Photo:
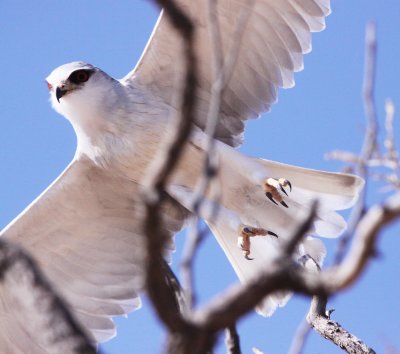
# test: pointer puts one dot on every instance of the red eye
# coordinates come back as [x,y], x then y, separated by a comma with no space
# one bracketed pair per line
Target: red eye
[49,86]
[80,76]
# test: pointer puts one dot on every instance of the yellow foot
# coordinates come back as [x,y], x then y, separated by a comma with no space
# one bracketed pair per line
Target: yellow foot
[245,232]
[273,189]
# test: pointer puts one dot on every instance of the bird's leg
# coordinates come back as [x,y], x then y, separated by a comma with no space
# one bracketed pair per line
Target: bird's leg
[273,189]
[245,233]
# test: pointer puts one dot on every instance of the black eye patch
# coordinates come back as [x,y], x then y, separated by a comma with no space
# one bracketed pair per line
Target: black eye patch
[80,76]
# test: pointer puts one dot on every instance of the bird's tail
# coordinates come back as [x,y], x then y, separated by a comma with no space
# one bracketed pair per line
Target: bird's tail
[243,203]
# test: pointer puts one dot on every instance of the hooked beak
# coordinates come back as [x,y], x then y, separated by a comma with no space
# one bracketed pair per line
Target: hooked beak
[59,93]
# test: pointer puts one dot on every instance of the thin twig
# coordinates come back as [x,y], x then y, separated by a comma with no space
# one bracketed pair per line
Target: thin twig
[291,244]
[353,159]
[228,307]
[210,162]
[300,337]
[281,273]
[194,240]
[222,69]
[232,340]
[389,141]
[257,350]
[393,155]
[390,160]
[162,167]
[370,139]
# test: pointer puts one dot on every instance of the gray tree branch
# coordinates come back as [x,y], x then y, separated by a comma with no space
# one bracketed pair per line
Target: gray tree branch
[196,333]
[370,144]
[182,334]
[232,340]
[284,274]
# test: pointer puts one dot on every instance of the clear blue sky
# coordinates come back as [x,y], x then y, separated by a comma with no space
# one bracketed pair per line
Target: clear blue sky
[323,112]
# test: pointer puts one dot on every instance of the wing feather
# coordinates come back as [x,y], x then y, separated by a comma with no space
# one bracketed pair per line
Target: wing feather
[85,231]
[277,35]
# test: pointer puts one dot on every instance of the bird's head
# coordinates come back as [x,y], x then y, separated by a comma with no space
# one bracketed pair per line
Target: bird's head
[86,96]
[80,91]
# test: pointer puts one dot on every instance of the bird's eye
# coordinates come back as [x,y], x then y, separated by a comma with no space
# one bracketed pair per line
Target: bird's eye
[80,76]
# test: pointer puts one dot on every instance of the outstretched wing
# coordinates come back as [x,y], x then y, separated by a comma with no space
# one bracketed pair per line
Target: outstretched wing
[272,44]
[85,231]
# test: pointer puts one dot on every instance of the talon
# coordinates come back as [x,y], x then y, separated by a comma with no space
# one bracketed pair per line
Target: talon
[272,234]
[285,183]
[275,188]
[248,231]
[283,190]
[284,204]
[244,242]
[245,234]
[269,195]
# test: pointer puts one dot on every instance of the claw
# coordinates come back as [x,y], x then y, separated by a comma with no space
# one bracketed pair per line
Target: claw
[283,190]
[284,204]
[269,195]
[244,239]
[244,243]
[284,182]
[272,234]
[247,257]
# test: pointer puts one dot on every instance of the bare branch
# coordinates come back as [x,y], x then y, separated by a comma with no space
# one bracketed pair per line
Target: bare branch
[389,160]
[195,238]
[181,304]
[284,274]
[370,144]
[257,351]
[161,169]
[392,153]
[319,319]
[299,339]
[198,332]
[222,68]
[363,245]
[353,159]
[289,247]
[389,141]
[277,275]
[232,340]
[337,334]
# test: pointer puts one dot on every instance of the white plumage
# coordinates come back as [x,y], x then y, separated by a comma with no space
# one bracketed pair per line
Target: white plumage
[85,230]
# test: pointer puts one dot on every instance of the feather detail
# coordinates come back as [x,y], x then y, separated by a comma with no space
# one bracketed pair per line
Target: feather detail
[243,202]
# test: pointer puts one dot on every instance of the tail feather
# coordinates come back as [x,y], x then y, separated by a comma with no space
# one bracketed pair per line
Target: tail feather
[243,202]
[263,249]
[336,191]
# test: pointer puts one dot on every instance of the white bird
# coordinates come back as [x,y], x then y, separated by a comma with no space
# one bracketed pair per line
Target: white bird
[85,229]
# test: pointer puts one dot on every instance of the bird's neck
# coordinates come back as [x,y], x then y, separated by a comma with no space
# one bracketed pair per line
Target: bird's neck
[99,138]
